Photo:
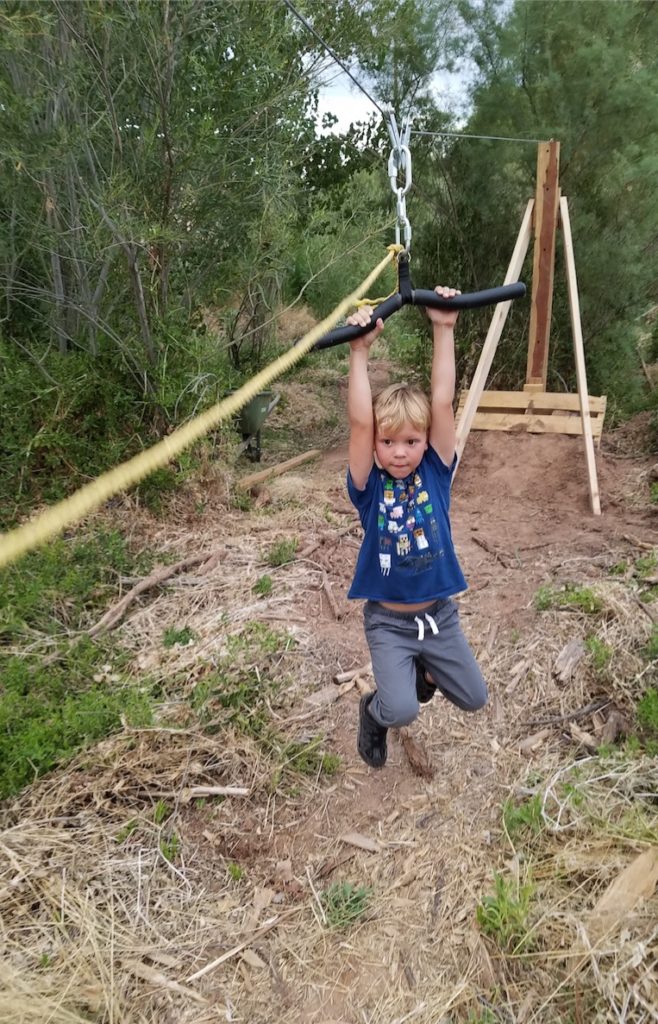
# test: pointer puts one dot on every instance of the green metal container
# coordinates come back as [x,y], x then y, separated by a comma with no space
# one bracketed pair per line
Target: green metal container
[255,412]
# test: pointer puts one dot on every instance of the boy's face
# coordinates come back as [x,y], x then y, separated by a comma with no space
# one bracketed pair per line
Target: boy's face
[399,452]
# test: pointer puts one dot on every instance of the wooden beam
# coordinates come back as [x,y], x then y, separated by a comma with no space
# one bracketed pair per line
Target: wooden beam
[546,215]
[545,401]
[494,332]
[579,352]
[529,423]
[264,474]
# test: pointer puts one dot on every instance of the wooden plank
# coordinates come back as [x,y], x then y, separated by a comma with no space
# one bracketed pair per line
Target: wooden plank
[516,423]
[546,216]
[546,401]
[494,332]
[256,478]
[579,352]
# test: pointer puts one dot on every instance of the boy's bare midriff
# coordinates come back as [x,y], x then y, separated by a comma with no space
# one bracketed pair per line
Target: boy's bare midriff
[392,606]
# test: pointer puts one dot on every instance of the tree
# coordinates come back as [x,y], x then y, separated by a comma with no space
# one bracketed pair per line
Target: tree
[584,73]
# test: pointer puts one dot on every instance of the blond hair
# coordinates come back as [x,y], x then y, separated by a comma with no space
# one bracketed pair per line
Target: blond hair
[399,404]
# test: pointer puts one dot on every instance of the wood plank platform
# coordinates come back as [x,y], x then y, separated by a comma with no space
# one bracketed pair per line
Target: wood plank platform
[535,412]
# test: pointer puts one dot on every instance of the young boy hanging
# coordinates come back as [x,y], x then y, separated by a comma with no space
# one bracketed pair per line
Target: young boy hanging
[401,462]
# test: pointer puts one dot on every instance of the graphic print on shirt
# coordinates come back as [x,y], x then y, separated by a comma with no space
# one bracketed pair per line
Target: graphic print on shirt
[408,529]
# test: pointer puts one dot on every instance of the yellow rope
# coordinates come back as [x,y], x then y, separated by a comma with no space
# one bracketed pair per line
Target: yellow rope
[89,497]
[394,249]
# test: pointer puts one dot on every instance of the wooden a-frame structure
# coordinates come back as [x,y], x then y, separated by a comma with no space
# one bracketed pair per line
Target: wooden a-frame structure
[534,410]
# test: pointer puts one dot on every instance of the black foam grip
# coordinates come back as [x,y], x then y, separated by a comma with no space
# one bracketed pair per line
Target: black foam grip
[422,297]
[349,333]
[470,300]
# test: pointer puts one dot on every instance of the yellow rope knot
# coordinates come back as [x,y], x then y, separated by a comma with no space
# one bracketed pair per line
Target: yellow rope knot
[395,249]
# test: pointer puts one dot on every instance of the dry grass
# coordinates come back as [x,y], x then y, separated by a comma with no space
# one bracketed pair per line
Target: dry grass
[99,924]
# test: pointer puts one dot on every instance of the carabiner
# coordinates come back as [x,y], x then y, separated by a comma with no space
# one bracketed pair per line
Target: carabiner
[400,161]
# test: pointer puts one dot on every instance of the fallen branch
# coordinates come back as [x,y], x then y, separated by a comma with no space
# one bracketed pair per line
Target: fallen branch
[347,677]
[326,586]
[256,478]
[505,560]
[263,930]
[113,615]
[200,792]
[589,709]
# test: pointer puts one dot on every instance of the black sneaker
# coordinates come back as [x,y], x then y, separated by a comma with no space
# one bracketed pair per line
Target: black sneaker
[424,690]
[371,742]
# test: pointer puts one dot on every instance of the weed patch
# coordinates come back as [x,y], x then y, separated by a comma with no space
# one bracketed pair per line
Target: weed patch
[282,553]
[344,903]
[503,915]
[522,820]
[569,596]
[173,636]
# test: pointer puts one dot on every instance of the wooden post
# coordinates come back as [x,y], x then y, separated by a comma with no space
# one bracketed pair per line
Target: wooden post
[579,352]
[546,214]
[494,333]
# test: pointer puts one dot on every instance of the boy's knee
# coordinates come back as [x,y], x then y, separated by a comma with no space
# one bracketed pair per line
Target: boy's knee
[394,713]
[478,698]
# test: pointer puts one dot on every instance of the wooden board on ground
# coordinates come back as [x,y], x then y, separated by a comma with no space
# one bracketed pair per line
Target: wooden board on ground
[534,412]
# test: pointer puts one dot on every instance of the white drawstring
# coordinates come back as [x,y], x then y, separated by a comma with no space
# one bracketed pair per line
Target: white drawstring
[421,626]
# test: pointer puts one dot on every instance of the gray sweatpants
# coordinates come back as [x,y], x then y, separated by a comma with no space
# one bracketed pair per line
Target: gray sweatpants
[434,637]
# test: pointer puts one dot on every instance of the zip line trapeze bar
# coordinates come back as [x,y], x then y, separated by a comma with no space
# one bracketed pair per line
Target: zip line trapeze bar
[407,295]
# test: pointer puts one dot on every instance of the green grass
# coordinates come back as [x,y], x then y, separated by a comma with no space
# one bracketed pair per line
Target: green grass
[503,915]
[523,819]
[282,553]
[236,873]
[50,712]
[570,596]
[647,711]
[173,636]
[600,653]
[263,586]
[63,584]
[61,691]
[344,903]
[651,648]
[170,847]
[646,565]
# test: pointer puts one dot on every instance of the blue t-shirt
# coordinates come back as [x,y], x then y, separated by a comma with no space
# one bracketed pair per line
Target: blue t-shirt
[407,554]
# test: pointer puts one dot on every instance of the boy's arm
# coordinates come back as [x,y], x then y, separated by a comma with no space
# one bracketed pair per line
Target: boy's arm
[359,402]
[442,435]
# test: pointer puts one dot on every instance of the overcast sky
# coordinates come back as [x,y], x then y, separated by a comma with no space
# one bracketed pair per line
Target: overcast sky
[349,104]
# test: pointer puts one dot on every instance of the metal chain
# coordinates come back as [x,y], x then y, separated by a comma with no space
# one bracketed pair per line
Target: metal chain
[399,162]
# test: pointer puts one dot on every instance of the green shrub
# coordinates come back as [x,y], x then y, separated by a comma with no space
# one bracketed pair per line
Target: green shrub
[65,691]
